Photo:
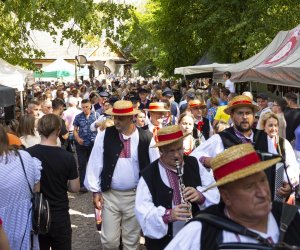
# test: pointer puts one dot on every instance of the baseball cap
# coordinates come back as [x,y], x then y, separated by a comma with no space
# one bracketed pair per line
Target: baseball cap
[263,96]
[168,93]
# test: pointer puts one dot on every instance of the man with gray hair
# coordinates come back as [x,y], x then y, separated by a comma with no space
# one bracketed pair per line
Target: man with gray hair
[69,116]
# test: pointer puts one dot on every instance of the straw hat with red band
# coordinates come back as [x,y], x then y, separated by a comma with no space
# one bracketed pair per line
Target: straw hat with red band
[236,163]
[241,101]
[196,104]
[157,107]
[122,108]
[169,134]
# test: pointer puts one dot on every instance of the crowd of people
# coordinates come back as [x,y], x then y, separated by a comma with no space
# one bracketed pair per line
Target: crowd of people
[154,155]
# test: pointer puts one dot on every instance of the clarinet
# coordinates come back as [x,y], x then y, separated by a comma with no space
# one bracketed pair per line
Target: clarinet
[181,189]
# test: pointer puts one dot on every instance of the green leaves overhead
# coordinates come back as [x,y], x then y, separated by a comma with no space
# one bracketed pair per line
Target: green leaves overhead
[77,19]
[174,33]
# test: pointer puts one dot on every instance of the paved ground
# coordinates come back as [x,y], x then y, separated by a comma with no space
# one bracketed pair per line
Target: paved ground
[85,235]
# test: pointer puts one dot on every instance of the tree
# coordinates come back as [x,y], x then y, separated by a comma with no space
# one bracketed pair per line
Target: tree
[75,18]
[179,33]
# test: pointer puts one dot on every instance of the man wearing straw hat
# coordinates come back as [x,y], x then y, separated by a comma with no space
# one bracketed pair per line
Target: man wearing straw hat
[161,203]
[241,110]
[245,200]
[119,153]
[157,112]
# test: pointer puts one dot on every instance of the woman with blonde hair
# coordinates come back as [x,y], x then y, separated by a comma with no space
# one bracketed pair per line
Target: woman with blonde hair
[281,146]
[186,123]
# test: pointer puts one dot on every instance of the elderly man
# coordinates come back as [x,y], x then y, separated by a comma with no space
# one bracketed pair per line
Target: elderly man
[163,203]
[119,153]
[158,112]
[246,201]
[241,110]
[46,107]
[69,116]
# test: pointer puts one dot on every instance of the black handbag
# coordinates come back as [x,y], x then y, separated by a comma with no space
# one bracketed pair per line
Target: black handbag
[41,218]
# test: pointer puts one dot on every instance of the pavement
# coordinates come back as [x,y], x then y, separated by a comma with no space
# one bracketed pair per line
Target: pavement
[85,235]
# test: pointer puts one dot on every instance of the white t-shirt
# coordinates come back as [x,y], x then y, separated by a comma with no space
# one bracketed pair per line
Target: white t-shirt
[230,85]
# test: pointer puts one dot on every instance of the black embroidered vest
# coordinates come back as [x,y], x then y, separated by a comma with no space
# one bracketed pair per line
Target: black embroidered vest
[112,149]
[162,195]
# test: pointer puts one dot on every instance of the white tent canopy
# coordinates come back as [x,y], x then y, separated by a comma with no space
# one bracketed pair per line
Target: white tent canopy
[12,76]
[198,69]
[59,65]
[278,63]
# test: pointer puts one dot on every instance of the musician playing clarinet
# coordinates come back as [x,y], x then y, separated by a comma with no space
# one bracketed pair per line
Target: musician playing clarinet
[170,190]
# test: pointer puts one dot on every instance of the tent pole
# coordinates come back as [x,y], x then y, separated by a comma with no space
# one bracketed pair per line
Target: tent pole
[21,103]
[251,86]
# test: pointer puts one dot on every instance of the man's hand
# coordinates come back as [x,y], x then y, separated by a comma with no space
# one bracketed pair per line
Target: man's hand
[79,140]
[104,124]
[207,161]
[98,200]
[192,195]
[285,190]
[180,212]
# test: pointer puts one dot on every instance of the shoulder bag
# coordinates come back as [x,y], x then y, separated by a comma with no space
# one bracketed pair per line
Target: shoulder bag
[41,218]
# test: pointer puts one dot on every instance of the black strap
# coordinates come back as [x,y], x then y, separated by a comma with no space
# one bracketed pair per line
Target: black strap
[31,233]
[24,172]
[231,226]
[287,215]
[230,136]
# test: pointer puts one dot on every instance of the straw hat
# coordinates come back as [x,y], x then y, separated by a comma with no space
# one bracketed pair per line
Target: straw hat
[196,103]
[122,108]
[241,101]
[157,107]
[236,163]
[168,135]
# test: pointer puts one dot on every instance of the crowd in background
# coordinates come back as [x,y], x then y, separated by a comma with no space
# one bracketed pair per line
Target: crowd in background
[79,112]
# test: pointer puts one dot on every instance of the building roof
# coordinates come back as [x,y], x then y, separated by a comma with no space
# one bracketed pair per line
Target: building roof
[106,50]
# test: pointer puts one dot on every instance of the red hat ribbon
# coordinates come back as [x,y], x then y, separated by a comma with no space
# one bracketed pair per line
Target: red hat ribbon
[172,136]
[155,107]
[122,111]
[241,102]
[236,165]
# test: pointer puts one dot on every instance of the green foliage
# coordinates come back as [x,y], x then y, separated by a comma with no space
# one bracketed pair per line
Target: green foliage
[84,17]
[174,33]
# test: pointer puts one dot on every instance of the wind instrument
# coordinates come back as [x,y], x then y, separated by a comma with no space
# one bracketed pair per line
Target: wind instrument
[181,189]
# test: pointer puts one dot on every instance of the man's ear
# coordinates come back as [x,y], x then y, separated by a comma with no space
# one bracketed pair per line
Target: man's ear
[225,196]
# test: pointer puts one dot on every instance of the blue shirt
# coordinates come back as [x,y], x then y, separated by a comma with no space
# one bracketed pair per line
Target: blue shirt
[297,138]
[84,123]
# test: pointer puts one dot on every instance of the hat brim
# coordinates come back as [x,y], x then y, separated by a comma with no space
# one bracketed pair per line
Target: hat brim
[110,112]
[253,106]
[157,110]
[159,144]
[199,106]
[251,169]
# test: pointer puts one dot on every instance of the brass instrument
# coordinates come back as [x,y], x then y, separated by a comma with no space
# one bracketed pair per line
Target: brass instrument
[181,189]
